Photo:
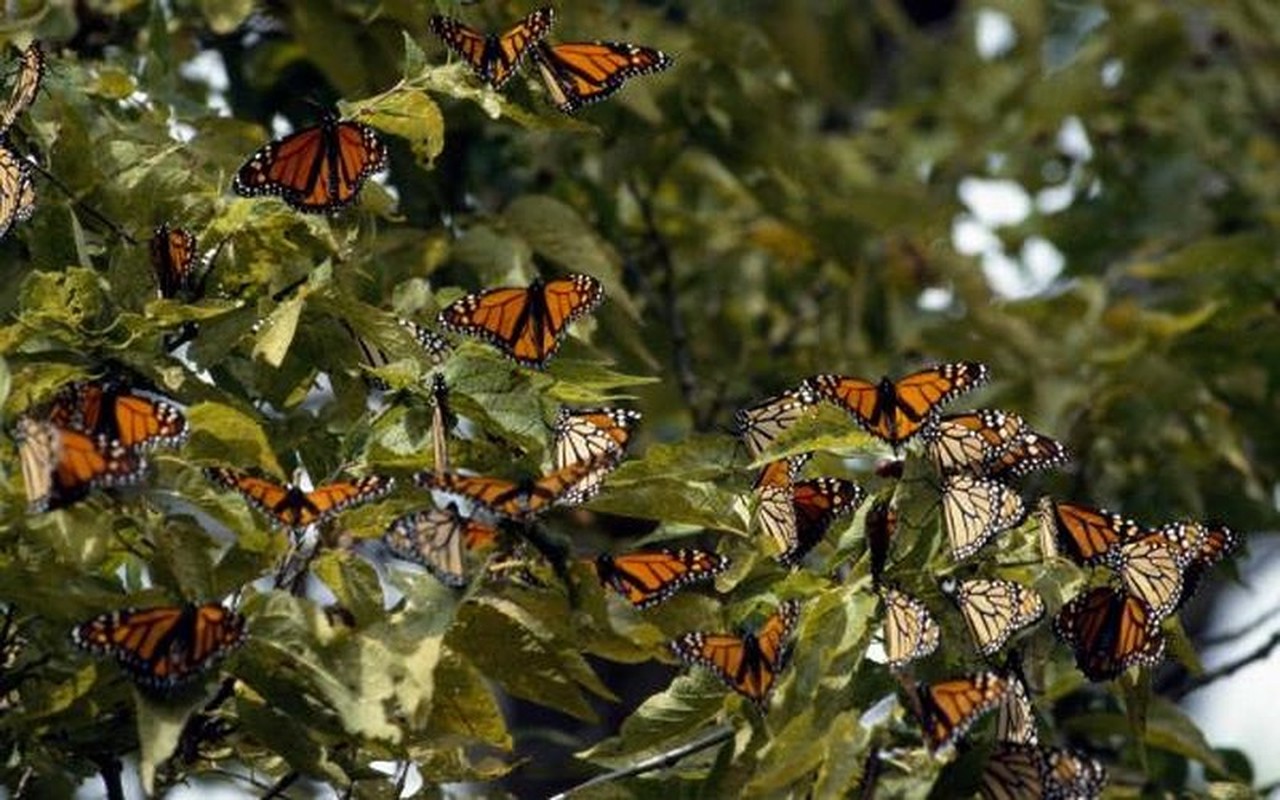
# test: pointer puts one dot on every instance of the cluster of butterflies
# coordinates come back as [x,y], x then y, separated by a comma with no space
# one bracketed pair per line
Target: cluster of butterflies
[575,74]
[17,187]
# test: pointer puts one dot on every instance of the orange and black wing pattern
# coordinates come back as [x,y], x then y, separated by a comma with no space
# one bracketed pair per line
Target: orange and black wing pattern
[526,324]
[439,539]
[174,261]
[1030,451]
[1200,547]
[164,646]
[1109,631]
[950,708]
[761,424]
[60,465]
[580,73]
[994,609]
[896,411]
[31,69]
[289,506]
[17,190]
[1089,536]
[818,502]
[748,664]
[647,578]
[317,170]
[494,58]
[585,434]
[971,440]
[109,408]
[910,631]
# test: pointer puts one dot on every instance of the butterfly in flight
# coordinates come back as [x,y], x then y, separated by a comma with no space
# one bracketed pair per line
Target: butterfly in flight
[1110,630]
[646,578]
[761,424]
[31,69]
[994,609]
[974,509]
[288,506]
[910,631]
[522,500]
[61,465]
[494,57]
[108,407]
[439,539]
[163,647]
[17,190]
[316,170]
[580,73]
[949,708]
[526,323]
[748,663]
[896,411]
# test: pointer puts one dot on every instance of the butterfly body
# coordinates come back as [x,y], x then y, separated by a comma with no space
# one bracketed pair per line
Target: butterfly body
[526,323]
[315,170]
[749,664]
[164,646]
[647,578]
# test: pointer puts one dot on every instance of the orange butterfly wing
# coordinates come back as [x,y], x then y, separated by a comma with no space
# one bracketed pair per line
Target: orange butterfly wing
[173,258]
[1088,535]
[316,170]
[951,707]
[493,58]
[747,664]
[289,506]
[895,412]
[85,462]
[648,578]
[580,73]
[1109,631]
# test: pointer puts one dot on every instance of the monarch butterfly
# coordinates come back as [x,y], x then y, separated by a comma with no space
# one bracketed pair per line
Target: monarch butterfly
[971,440]
[288,506]
[881,525]
[974,509]
[163,647]
[994,609]
[1088,535]
[774,508]
[648,578]
[749,664]
[1151,570]
[439,539]
[526,324]
[1029,451]
[317,170]
[1200,547]
[761,424]
[60,465]
[949,708]
[573,484]
[31,69]
[797,517]
[1109,631]
[436,347]
[175,262]
[584,434]
[17,190]
[1015,716]
[580,73]
[493,57]
[910,631]
[897,411]
[109,408]
[1020,771]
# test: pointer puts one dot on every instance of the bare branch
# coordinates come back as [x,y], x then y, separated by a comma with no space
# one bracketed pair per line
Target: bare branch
[1240,632]
[1230,668]
[660,761]
[278,790]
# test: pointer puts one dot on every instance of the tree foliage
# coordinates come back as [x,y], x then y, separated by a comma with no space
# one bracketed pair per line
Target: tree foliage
[781,202]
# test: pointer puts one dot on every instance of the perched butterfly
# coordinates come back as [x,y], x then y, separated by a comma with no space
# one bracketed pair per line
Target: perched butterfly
[760,425]
[1151,569]
[971,440]
[1029,452]
[994,609]
[494,57]
[580,73]
[585,434]
[570,485]
[881,525]
[17,190]
[175,262]
[31,70]
[526,324]
[289,506]
[164,646]
[749,664]
[1110,630]
[60,465]
[796,517]
[910,631]
[1013,772]
[950,708]
[974,509]
[317,170]
[110,408]
[436,347]
[1015,716]
[775,510]
[897,411]
[648,578]
[1087,535]
[439,539]
[1068,775]
[1199,547]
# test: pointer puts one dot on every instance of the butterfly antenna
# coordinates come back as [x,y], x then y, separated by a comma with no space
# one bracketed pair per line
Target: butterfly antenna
[80,204]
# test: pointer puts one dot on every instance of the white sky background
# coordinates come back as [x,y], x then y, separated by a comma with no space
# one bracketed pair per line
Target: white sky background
[1226,711]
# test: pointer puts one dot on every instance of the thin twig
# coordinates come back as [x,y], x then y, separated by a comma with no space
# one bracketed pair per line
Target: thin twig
[1241,632]
[711,739]
[1226,670]
[78,203]
[193,734]
[289,779]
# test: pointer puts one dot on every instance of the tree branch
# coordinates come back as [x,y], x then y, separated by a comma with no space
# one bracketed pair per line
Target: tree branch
[111,771]
[714,737]
[1228,669]
[1240,632]
[289,779]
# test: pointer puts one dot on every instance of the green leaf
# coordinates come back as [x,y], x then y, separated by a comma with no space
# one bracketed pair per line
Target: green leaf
[411,115]
[159,729]
[222,434]
[224,16]
[277,332]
